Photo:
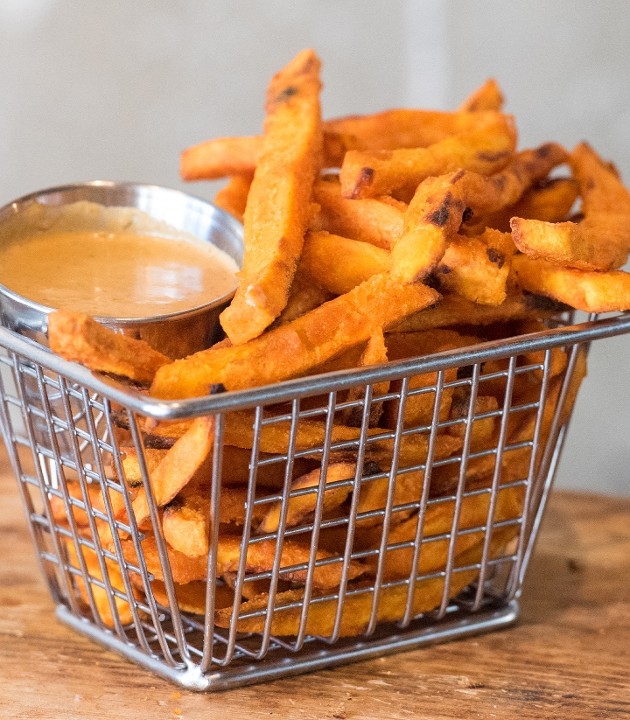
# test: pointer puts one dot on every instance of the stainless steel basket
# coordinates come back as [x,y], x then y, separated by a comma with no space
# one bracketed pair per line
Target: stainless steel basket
[61,426]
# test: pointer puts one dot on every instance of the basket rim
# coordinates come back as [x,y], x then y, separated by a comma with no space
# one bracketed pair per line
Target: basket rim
[584,332]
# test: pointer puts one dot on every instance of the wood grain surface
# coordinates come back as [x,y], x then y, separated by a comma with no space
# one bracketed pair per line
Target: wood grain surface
[569,656]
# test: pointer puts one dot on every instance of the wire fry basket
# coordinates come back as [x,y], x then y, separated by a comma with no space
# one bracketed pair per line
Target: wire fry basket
[423,534]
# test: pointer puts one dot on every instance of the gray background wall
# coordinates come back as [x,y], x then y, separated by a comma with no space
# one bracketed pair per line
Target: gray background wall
[116,89]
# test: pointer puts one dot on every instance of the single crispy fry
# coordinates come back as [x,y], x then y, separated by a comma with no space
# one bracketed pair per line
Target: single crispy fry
[295,555]
[477,267]
[419,406]
[601,240]
[486,97]
[302,506]
[378,221]
[452,309]
[438,520]
[110,607]
[79,338]
[293,349]
[591,291]
[191,597]
[184,569]
[486,150]
[278,206]
[220,157]
[305,295]
[178,466]
[550,200]
[186,523]
[233,196]
[482,432]
[361,261]
[375,353]
[439,205]
[404,128]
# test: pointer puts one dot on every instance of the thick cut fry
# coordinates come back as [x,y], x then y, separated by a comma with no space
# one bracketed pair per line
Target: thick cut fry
[179,465]
[109,607]
[375,353]
[477,267]
[437,209]
[357,608]
[360,261]
[482,432]
[295,555]
[233,197]
[438,520]
[305,295]
[484,150]
[590,291]
[184,569]
[293,349]
[79,338]
[419,406]
[486,97]
[601,240]
[404,128]
[279,202]
[377,221]
[300,507]
[220,157]
[186,523]
[452,309]
[550,200]
[191,597]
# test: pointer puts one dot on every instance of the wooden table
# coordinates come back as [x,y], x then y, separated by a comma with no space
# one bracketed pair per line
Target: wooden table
[568,657]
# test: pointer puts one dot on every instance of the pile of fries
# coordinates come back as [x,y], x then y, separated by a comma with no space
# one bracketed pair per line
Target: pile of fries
[368,239]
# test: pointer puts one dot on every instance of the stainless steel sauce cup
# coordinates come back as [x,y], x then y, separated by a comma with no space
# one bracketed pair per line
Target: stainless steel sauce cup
[176,334]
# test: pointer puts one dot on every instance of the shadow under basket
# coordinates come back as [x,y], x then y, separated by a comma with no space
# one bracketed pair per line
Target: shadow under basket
[335,518]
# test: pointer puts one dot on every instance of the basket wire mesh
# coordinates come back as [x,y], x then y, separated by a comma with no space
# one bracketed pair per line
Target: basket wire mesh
[69,435]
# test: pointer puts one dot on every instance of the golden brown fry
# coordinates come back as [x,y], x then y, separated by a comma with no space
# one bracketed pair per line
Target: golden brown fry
[452,309]
[359,261]
[437,209]
[601,240]
[220,157]
[477,267]
[179,465]
[482,432]
[302,506]
[279,202]
[191,597]
[590,291]
[375,353]
[378,221]
[261,554]
[486,97]
[109,607]
[484,150]
[305,295]
[293,349]
[404,128]
[233,196]
[186,523]
[79,338]
[550,200]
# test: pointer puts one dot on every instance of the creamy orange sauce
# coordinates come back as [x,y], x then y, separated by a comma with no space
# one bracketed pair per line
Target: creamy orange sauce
[118,274]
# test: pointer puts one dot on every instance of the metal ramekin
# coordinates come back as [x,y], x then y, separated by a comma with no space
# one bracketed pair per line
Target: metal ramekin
[176,334]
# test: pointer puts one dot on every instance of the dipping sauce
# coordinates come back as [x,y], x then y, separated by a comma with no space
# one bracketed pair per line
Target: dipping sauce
[119,273]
